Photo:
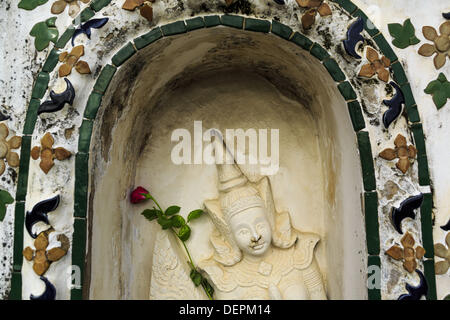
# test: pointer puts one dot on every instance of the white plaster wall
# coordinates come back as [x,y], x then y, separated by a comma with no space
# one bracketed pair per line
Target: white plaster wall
[19,64]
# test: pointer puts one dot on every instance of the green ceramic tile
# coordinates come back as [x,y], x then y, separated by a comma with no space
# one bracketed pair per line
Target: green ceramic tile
[79,244]
[424,175]
[365,154]
[333,68]
[385,47]
[374,293]
[123,55]
[104,78]
[41,85]
[16,287]
[281,30]
[173,28]
[211,21]
[427,224]
[19,218]
[84,140]
[372,226]
[430,275]
[319,52]
[84,16]
[30,119]
[98,5]
[419,138]
[22,181]
[195,23]
[93,103]
[302,41]
[409,98]
[76,294]
[81,184]
[399,73]
[347,5]
[65,37]
[257,25]
[368,25]
[347,91]
[52,61]
[413,114]
[232,21]
[356,116]
[148,38]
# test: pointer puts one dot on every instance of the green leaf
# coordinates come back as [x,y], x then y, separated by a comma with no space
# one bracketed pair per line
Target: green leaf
[194,214]
[207,287]
[184,233]
[178,221]
[172,210]
[44,32]
[164,222]
[31,4]
[440,90]
[404,35]
[196,277]
[151,214]
[5,198]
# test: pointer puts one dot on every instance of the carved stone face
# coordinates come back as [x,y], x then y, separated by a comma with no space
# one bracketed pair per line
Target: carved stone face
[251,230]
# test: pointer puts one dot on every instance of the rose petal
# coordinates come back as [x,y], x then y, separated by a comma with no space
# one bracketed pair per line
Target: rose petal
[427,50]
[386,61]
[28,253]
[3,149]
[147,12]
[412,152]
[35,153]
[2,166]
[46,164]
[77,51]
[447,240]
[64,70]
[410,266]
[429,33]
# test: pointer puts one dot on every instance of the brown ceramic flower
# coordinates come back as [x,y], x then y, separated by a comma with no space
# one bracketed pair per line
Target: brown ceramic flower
[5,148]
[74,7]
[48,154]
[377,66]
[403,152]
[443,252]
[71,60]
[145,8]
[440,46]
[41,257]
[408,254]
[314,7]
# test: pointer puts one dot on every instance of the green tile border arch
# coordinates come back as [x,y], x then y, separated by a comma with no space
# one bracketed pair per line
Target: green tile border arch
[370,196]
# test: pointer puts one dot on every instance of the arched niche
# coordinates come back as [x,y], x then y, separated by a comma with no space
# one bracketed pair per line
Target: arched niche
[227,78]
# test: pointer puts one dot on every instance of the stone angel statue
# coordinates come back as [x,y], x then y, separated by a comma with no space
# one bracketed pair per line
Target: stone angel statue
[257,252]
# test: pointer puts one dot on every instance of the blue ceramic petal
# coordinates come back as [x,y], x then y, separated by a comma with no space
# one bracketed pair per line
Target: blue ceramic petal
[406,210]
[353,37]
[395,106]
[39,214]
[415,293]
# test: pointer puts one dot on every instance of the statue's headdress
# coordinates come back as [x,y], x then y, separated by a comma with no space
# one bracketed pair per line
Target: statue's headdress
[237,194]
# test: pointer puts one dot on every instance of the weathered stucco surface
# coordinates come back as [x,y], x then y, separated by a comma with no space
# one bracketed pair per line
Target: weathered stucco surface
[19,64]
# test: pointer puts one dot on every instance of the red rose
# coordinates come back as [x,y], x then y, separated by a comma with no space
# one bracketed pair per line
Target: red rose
[138,195]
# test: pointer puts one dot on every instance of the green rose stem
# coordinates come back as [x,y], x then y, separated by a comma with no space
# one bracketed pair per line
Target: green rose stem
[148,196]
